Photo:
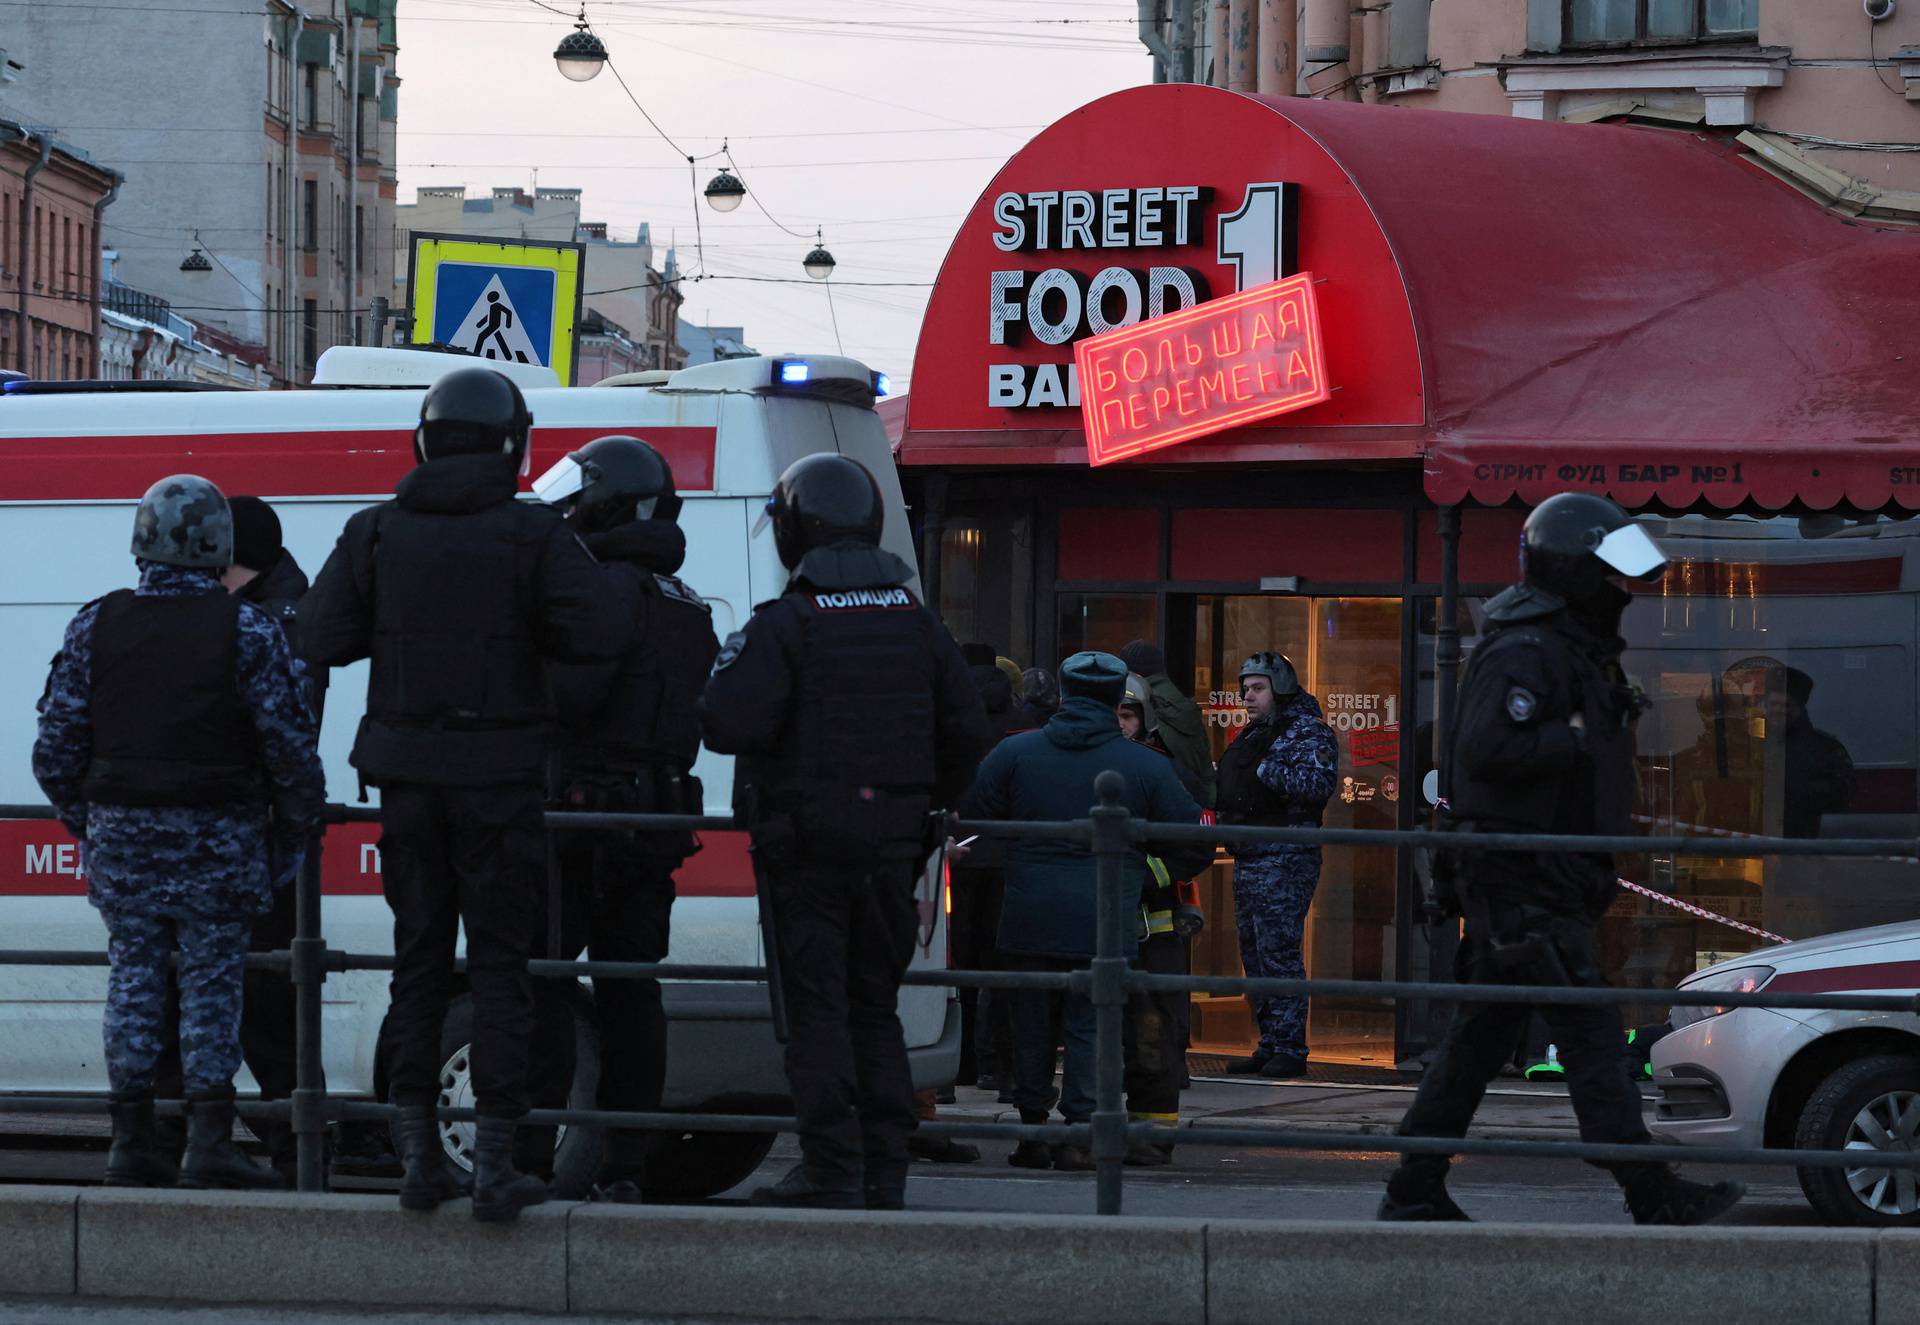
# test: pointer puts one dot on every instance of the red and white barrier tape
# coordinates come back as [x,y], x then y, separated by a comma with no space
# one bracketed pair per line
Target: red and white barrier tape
[1700,911]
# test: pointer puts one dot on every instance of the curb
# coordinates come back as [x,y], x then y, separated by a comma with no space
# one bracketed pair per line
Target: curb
[704,1262]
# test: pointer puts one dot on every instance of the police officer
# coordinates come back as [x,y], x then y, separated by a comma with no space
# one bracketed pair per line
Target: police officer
[1543,743]
[175,742]
[1278,772]
[852,712]
[630,733]
[460,595]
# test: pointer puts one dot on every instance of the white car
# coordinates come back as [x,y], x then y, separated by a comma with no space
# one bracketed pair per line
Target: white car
[1806,1079]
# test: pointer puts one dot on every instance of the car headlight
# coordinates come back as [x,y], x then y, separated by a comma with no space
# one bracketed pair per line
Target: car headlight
[1739,980]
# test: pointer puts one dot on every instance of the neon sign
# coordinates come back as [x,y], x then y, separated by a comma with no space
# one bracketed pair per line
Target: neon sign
[1204,369]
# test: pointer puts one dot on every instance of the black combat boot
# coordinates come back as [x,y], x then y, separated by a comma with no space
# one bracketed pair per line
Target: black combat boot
[500,1191]
[212,1160]
[1417,1194]
[1657,1195]
[886,1186]
[139,1156]
[426,1180]
[798,1189]
[533,1150]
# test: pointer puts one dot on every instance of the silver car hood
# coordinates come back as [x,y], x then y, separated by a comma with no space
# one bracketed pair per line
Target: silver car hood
[1815,952]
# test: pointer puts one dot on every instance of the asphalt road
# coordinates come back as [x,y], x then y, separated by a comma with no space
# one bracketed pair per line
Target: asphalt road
[1202,1182]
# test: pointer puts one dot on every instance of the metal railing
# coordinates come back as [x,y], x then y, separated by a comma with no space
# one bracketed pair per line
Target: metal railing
[1112,835]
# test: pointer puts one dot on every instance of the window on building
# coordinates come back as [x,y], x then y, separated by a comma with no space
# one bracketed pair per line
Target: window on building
[359,238]
[309,332]
[310,112]
[269,204]
[1626,22]
[39,272]
[310,214]
[69,278]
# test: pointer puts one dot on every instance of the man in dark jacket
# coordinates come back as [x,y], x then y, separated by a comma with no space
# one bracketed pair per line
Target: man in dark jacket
[630,734]
[1183,729]
[850,707]
[1047,921]
[977,886]
[1543,742]
[1039,700]
[461,595]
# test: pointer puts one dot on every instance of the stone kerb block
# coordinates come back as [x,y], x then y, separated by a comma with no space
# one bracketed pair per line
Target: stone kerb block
[36,1240]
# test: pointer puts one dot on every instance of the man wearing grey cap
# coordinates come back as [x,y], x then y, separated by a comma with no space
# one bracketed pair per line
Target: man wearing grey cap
[1047,920]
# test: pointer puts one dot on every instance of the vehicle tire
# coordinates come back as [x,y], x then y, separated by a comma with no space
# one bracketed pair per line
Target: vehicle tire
[576,1160]
[692,1166]
[1868,1104]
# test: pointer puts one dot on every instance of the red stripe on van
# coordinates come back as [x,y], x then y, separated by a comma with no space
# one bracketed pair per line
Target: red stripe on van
[38,858]
[346,462]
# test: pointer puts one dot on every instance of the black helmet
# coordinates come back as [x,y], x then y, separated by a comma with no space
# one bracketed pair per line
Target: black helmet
[1573,541]
[472,411]
[1277,668]
[824,499]
[609,482]
[184,520]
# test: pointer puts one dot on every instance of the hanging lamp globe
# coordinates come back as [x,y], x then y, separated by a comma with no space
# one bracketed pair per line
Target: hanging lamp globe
[196,261]
[580,54]
[724,191]
[819,263]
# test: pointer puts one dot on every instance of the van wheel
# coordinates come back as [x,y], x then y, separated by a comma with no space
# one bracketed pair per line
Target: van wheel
[576,1159]
[692,1166]
[1871,1105]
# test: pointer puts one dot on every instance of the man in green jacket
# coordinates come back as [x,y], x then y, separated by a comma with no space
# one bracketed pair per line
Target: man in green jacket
[1183,729]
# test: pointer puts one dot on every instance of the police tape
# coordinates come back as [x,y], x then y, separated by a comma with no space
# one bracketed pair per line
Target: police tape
[1700,911]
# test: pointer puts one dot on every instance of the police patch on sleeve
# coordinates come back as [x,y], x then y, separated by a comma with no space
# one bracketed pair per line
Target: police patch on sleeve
[1521,704]
[730,651]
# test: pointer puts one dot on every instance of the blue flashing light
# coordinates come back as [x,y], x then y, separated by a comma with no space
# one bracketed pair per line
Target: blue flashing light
[882,385]
[794,371]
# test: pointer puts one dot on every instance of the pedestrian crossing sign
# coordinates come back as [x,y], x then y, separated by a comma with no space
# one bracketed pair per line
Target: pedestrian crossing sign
[512,301]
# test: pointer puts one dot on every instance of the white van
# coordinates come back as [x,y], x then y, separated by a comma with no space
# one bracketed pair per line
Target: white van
[74,461]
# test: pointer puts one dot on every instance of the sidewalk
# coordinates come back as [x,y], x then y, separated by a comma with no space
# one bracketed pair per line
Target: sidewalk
[1514,1109]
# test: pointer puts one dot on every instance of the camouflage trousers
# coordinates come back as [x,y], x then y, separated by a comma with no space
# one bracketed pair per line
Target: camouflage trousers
[212,962]
[1271,896]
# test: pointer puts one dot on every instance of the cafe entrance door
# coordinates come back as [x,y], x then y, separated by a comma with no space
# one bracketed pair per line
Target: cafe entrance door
[1348,652]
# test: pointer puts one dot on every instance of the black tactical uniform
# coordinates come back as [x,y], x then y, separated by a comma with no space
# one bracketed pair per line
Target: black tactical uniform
[1544,743]
[630,734]
[460,595]
[854,717]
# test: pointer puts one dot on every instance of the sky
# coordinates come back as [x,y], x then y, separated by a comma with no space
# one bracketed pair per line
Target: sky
[879,121]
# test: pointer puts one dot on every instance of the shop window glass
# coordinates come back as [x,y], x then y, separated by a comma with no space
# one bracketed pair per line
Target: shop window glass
[960,580]
[1347,651]
[1103,621]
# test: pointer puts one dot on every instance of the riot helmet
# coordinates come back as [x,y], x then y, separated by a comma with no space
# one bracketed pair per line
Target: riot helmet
[472,411]
[1573,541]
[184,520]
[1139,697]
[824,499]
[1277,668]
[609,482]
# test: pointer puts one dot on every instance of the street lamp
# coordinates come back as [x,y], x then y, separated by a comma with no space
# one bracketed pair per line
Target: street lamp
[819,263]
[724,191]
[196,261]
[580,54]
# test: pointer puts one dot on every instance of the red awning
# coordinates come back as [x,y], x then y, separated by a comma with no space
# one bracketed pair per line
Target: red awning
[1638,311]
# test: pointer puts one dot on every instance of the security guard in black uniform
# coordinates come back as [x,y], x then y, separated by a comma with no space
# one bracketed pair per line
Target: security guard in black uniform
[460,595]
[853,713]
[1544,743]
[630,732]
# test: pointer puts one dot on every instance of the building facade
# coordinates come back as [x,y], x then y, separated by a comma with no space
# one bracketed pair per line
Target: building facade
[261,136]
[711,344]
[1834,94]
[1489,310]
[52,199]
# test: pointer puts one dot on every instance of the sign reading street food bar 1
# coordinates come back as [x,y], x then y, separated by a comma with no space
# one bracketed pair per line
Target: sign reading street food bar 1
[1204,369]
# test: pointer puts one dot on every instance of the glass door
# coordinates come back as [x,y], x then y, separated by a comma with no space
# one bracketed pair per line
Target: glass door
[1348,653]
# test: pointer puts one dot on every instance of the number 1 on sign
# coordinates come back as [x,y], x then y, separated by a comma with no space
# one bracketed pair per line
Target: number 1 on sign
[1258,240]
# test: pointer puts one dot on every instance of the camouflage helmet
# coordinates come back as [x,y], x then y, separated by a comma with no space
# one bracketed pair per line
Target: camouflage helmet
[184,520]
[1277,668]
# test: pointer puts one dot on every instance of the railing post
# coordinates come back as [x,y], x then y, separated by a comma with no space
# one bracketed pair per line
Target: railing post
[1109,991]
[307,968]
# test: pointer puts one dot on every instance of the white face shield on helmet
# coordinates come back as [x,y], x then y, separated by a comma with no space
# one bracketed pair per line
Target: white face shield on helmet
[561,482]
[1631,551]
